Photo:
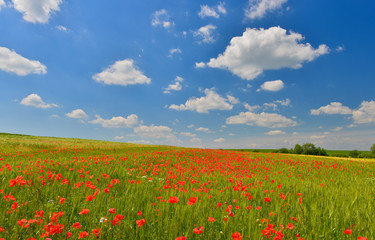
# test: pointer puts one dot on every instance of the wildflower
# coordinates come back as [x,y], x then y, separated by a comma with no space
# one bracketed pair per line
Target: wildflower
[89,198]
[96,232]
[139,213]
[62,200]
[83,234]
[267,199]
[22,222]
[77,225]
[111,210]
[348,231]
[103,219]
[181,238]
[211,219]
[192,200]
[173,200]
[362,238]
[198,230]
[141,222]
[84,211]
[290,226]
[236,236]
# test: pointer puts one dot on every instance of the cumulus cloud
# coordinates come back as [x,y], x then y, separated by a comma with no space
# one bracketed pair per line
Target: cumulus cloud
[78,114]
[2,4]
[275,132]
[261,49]
[219,140]
[10,61]
[365,113]
[161,18]
[272,86]
[61,28]
[251,108]
[153,131]
[203,129]
[207,11]
[188,134]
[258,8]
[122,72]
[117,122]
[212,101]
[270,120]
[35,100]
[176,86]
[332,108]
[205,34]
[174,51]
[37,11]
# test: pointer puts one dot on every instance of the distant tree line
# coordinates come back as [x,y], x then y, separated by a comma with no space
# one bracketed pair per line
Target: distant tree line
[310,149]
[306,149]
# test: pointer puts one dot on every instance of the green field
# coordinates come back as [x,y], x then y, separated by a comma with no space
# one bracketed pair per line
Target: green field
[84,189]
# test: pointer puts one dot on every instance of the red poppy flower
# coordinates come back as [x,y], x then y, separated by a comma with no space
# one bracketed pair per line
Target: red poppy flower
[211,219]
[236,236]
[111,210]
[198,230]
[362,238]
[267,199]
[173,200]
[348,231]
[77,225]
[192,200]
[96,232]
[141,222]
[84,211]
[181,238]
[83,234]
[62,200]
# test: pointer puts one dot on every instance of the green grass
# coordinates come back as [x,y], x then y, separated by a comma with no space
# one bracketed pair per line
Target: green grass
[325,195]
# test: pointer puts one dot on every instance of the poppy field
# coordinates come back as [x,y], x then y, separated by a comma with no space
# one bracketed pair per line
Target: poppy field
[76,189]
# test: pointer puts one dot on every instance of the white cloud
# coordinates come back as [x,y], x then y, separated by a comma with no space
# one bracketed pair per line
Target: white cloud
[232,134]
[365,113]
[10,61]
[258,8]
[2,4]
[78,114]
[212,101]
[332,108]
[339,49]
[261,49]
[117,122]
[233,100]
[188,134]
[275,132]
[270,120]
[190,126]
[37,11]
[174,51]
[122,72]
[154,132]
[251,108]
[161,18]
[196,141]
[285,102]
[203,129]
[62,28]
[200,65]
[141,142]
[219,140]
[272,86]
[317,137]
[207,11]
[337,129]
[221,8]
[35,100]
[205,34]
[119,137]
[176,86]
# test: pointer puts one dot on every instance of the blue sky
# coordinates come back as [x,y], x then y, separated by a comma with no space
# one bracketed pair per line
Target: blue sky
[212,74]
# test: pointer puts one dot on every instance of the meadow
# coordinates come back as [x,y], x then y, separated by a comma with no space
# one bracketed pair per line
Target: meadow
[54,188]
